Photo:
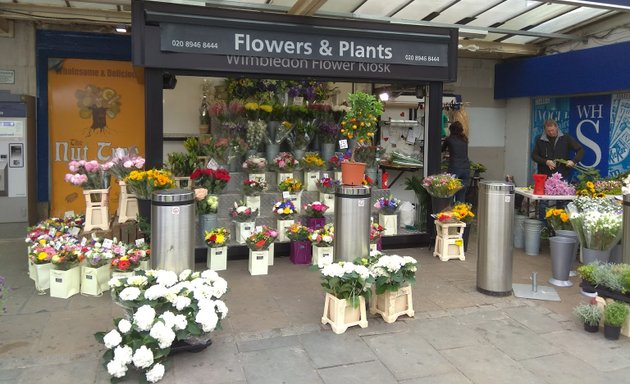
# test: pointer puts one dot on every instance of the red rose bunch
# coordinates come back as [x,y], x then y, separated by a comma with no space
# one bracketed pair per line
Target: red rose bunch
[214,180]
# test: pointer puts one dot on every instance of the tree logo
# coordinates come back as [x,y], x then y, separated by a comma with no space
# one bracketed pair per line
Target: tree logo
[99,104]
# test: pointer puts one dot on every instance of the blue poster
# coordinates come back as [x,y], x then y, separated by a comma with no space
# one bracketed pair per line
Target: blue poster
[544,108]
[590,125]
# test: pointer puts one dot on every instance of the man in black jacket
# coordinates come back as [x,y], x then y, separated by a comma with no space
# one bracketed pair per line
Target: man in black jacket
[553,145]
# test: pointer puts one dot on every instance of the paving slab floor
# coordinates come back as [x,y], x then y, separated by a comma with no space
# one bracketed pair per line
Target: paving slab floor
[273,332]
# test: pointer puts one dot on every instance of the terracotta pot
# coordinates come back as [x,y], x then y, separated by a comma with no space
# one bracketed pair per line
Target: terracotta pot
[352,173]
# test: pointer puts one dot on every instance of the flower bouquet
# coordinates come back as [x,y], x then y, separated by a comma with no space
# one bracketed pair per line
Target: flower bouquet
[376,232]
[255,133]
[301,251]
[142,251]
[608,187]
[328,132]
[284,162]
[68,256]
[206,203]
[297,232]
[97,255]
[284,210]
[558,218]
[312,162]
[442,185]
[387,206]
[143,183]
[290,185]
[87,174]
[255,165]
[597,221]
[261,240]
[345,280]
[162,309]
[242,213]
[554,185]
[463,212]
[323,237]
[217,237]
[338,158]
[126,263]
[393,272]
[122,164]
[315,209]
[214,180]
[254,187]
[327,185]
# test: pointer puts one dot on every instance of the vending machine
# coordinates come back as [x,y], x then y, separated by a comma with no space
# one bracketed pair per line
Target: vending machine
[18,181]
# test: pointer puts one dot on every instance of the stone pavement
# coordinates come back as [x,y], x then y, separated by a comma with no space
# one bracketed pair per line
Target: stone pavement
[273,333]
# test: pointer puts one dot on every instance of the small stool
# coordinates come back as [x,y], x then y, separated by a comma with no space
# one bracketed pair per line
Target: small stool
[96,209]
[127,204]
[449,243]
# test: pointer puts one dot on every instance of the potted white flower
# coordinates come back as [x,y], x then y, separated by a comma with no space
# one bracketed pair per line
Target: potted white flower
[393,276]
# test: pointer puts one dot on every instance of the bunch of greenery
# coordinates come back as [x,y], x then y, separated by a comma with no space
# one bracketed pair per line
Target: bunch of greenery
[615,313]
[589,314]
[181,164]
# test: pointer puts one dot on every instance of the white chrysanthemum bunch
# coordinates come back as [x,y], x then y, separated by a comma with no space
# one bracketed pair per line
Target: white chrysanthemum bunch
[393,271]
[346,280]
[162,307]
[598,221]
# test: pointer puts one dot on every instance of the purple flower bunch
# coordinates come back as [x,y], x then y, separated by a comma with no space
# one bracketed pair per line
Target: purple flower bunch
[328,131]
[387,206]
[339,157]
[555,186]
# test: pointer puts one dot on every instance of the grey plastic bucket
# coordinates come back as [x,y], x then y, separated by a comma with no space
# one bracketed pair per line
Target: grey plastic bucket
[576,247]
[519,231]
[532,236]
[562,254]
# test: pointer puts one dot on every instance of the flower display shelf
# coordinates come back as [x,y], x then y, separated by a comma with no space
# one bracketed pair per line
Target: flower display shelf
[329,200]
[322,256]
[127,204]
[391,305]
[449,243]
[65,284]
[96,209]
[340,314]
[217,258]
[390,223]
[253,202]
[94,281]
[310,180]
[258,262]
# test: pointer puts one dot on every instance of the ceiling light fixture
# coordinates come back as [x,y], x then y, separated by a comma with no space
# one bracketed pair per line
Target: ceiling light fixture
[384,96]
[121,29]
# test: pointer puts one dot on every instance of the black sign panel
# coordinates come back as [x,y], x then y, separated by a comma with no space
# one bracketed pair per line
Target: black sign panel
[320,49]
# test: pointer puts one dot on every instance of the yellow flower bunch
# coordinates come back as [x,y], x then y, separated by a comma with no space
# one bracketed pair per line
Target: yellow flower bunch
[217,237]
[588,190]
[558,218]
[312,161]
[143,183]
[464,212]
[290,185]
[297,232]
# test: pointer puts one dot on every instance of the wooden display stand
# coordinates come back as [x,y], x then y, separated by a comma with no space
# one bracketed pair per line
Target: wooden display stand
[449,243]
[96,212]
[390,305]
[127,204]
[340,314]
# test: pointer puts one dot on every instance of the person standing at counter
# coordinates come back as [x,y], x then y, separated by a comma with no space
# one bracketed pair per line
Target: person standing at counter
[458,163]
[554,145]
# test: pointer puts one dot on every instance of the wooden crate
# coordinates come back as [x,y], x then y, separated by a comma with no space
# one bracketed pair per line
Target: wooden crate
[126,232]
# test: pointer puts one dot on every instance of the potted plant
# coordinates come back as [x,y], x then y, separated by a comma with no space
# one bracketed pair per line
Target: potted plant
[314,213]
[291,189]
[95,271]
[181,165]
[154,327]
[442,187]
[589,315]
[392,278]
[312,164]
[207,207]
[284,164]
[326,187]
[376,232]
[346,286]
[217,240]
[252,189]
[387,217]
[143,183]
[259,244]
[615,314]
[322,241]
[244,220]
[284,211]
[359,125]
[300,244]
[466,215]
[65,277]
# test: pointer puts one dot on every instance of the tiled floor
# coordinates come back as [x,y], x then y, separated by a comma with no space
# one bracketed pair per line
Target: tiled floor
[273,332]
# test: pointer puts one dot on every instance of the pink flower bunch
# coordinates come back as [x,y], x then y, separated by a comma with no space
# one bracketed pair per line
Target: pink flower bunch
[255,165]
[315,209]
[121,166]
[555,186]
[76,179]
[284,162]
[86,174]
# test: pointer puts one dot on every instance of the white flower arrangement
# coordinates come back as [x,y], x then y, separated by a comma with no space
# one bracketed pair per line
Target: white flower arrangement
[346,280]
[162,308]
[625,189]
[393,271]
[597,221]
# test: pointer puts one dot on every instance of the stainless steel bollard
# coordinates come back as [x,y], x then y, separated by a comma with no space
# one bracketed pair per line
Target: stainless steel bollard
[352,222]
[173,230]
[494,243]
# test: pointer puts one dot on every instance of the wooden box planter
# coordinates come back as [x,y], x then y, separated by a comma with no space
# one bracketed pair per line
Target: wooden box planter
[391,305]
[96,209]
[127,204]
[340,314]
[449,243]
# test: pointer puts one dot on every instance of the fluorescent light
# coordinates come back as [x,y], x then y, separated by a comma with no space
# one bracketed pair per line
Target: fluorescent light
[121,29]
[384,96]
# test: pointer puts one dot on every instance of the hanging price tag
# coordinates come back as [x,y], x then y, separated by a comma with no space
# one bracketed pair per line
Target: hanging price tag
[286,195]
[343,144]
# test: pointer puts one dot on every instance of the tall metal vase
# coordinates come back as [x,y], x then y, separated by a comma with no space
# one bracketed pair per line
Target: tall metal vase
[327,150]
[207,222]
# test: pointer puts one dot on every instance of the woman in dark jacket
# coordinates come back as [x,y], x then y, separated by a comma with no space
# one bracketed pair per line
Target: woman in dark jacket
[458,163]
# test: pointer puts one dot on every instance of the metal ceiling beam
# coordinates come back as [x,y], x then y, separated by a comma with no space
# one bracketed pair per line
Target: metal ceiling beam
[593,4]
[306,7]
[59,14]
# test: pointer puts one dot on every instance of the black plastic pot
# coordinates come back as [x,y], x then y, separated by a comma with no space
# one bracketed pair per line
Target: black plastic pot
[591,328]
[611,332]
